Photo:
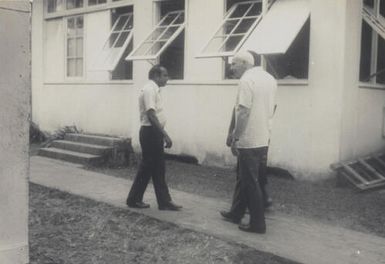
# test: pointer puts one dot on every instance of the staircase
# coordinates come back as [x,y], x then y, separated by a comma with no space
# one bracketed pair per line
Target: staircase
[90,150]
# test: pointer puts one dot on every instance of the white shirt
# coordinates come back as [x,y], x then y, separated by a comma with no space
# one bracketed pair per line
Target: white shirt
[150,98]
[256,91]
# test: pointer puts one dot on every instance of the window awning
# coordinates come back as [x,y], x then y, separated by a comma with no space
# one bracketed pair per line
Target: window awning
[167,30]
[279,27]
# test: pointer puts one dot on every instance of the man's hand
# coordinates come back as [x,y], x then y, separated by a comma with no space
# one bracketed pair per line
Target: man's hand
[167,142]
[229,139]
[234,148]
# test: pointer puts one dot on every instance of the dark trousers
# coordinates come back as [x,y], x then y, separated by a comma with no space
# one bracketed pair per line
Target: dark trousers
[250,185]
[152,166]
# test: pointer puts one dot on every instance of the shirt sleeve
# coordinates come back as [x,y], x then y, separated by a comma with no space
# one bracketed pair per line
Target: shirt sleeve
[149,99]
[245,94]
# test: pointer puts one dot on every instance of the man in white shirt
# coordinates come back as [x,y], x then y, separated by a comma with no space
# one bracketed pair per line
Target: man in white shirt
[248,138]
[153,138]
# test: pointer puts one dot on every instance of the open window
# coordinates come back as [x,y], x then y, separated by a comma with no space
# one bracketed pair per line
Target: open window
[165,43]
[117,45]
[281,35]
[372,61]
[238,23]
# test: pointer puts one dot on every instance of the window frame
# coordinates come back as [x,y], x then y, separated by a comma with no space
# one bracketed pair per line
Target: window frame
[372,79]
[66,58]
[110,4]
[168,41]
[107,50]
[226,18]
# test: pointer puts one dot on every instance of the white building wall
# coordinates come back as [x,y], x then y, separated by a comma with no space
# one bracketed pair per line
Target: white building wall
[14,127]
[363,116]
[316,122]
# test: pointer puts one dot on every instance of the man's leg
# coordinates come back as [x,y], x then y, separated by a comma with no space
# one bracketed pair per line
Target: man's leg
[158,172]
[249,170]
[239,202]
[145,168]
[262,178]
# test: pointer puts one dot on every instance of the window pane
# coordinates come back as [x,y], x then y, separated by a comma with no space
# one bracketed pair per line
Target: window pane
[169,32]
[71,47]
[113,38]
[79,67]
[129,24]
[51,6]
[369,3]
[214,44]
[79,47]
[79,26]
[173,58]
[92,2]
[240,10]
[227,27]
[232,43]
[156,48]
[156,33]
[71,27]
[366,51]
[119,25]
[382,8]
[74,4]
[381,61]
[122,38]
[71,67]
[168,19]
[179,20]
[142,50]
[255,10]
[244,26]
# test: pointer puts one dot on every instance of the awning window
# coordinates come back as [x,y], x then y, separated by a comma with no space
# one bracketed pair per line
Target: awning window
[116,43]
[237,25]
[279,27]
[167,30]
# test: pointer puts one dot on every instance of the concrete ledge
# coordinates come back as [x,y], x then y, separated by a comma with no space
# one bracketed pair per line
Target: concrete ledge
[14,254]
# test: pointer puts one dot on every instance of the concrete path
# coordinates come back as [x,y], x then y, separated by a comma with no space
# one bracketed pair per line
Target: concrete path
[297,239]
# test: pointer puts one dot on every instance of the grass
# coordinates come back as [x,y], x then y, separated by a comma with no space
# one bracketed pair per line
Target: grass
[69,229]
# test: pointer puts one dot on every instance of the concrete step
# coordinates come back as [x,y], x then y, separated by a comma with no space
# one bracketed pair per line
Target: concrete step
[92,139]
[82,147]
[71,156]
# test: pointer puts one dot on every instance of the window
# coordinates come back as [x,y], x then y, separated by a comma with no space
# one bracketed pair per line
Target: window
[372,61]
[75,46]
[96,2]
[235,28]
[74,4]
[166,41]
[118,45]
[54,5]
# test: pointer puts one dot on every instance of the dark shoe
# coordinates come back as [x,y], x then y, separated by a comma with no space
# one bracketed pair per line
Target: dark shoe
[139,205]
[249,228]
[268,202]
[170,206]
[229,217]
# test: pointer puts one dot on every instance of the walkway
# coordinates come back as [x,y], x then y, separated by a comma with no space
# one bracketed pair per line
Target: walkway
[298,239]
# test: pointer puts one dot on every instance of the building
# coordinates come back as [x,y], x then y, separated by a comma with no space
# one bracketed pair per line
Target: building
[90,57]
[15,88]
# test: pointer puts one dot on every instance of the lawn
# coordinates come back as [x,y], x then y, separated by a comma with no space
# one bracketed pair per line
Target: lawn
[65,228]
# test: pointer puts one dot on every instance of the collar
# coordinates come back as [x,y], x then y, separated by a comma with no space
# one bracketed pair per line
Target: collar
[153,84]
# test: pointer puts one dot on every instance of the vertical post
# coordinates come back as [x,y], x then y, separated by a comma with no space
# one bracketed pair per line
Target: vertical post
[14,128]
[265,4]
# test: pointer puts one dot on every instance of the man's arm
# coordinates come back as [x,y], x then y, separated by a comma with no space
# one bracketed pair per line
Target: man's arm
[241,116]
[229,139]
[155,123]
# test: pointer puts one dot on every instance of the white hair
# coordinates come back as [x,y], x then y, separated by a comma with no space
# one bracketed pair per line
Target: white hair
[244,56]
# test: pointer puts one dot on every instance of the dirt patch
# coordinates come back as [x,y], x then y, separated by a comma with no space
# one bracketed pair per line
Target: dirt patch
[69,229]
[322,201]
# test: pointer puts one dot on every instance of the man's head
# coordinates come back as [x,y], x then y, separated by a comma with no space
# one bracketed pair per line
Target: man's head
[242,61]
[159,75]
